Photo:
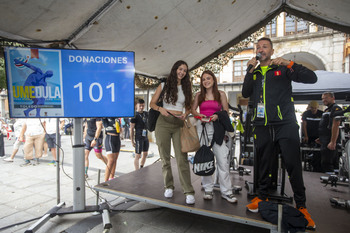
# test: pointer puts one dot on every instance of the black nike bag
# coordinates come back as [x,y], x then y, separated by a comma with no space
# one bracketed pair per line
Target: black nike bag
[204,162]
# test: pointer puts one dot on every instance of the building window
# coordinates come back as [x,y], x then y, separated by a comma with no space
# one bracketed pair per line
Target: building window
[320,28]
[293,26]
[218,78]
[239,68]
[302,27]
[270,30]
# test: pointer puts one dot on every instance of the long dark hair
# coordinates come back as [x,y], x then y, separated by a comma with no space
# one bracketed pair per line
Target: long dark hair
[216,92]
[170,88]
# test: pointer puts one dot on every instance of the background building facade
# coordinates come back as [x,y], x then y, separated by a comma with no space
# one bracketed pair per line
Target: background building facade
[314,46]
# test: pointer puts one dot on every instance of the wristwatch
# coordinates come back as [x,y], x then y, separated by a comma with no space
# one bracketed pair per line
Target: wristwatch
[95,139]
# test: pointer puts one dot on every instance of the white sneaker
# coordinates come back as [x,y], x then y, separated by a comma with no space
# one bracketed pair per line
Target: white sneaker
[208,196]
[230,198]
[45,155]
[8,159]
[168,193]
[190,199]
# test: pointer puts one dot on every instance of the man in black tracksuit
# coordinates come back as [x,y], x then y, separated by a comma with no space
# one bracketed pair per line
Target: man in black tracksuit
[329,133]
[270,90]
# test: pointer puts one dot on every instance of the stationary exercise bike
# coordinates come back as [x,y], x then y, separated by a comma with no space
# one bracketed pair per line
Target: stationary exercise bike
[235,142]
[341,176]
[277,170]
[339,202]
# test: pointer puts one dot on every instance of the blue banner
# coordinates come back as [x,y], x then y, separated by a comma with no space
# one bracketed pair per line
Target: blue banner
[69,83]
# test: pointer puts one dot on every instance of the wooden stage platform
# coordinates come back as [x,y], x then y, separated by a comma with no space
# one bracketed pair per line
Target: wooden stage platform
[146,185]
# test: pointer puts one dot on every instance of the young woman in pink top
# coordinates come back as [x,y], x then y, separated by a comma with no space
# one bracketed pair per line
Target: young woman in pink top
[210,101]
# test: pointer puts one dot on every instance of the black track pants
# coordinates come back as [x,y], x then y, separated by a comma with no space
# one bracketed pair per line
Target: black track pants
[287,138]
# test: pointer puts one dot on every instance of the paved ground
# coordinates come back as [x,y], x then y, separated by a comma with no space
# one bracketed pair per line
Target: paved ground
[29,192]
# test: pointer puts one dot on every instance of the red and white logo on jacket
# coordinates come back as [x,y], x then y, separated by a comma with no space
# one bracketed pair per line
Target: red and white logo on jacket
[277,73]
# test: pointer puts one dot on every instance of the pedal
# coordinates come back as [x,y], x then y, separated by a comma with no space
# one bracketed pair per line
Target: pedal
[340,202]
[334,201]
[247,171]
[332,179]
[243,171]
[324,179]
[237,189]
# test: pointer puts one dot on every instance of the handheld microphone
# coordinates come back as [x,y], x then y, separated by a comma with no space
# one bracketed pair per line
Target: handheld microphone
[258,56]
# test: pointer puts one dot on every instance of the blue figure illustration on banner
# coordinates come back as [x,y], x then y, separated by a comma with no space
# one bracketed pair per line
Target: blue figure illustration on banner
[36,78]
[39,80]
[36,82]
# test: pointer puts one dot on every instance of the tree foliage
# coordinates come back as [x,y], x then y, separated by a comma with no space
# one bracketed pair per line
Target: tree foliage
[215,65]
[2,74]
[4,43]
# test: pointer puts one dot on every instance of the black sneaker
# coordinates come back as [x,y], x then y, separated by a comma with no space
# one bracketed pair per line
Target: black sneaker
[26,163]
[36,162]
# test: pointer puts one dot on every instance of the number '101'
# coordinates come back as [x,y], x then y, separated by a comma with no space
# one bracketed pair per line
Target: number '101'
[95,90]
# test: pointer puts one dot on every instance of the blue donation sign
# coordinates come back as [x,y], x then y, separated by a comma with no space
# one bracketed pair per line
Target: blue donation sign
[69,83]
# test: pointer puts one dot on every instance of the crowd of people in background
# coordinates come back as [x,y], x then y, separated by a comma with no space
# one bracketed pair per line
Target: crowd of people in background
[38,135]
[320,129]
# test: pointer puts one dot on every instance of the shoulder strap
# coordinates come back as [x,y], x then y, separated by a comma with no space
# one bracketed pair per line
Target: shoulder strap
[205,136]
[162,93]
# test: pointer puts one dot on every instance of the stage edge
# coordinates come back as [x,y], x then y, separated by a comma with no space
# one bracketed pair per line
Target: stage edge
[231,218]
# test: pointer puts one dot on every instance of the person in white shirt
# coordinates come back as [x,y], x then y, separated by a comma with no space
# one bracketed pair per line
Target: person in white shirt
[177,101]
[34,134]
[50,136]
[17,126]
[2,143]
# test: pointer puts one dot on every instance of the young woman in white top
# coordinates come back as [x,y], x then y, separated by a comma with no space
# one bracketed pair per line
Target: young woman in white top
[177,98]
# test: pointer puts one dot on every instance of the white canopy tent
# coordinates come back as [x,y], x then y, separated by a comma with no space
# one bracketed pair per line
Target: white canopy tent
[158,31]
[338,83]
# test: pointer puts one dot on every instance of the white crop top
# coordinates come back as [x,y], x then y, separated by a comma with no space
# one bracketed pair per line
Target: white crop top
[179,105]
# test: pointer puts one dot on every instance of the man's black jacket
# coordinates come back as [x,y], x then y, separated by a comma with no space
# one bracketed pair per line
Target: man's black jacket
[274,91]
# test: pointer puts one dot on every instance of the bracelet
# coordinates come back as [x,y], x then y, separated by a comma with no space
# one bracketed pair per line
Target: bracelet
[158,108]
[290,64]
[95,139]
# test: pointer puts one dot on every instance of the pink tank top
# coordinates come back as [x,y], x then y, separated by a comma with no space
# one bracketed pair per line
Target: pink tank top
[209,107]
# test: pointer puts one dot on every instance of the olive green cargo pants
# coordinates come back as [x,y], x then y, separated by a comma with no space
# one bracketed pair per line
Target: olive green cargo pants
[169,129]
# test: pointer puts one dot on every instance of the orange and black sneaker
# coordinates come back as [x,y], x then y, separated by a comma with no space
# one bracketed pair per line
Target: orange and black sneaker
[311,224]
[254,205]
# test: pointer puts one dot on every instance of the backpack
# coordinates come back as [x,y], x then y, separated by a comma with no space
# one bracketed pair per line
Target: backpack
[204,162]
